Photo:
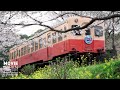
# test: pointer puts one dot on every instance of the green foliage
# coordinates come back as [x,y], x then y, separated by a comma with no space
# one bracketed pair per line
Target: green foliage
[38,31]
[61,69]
[1,76]
[4,56]
[65,69]
[28,69]
[24,36]
[1,63]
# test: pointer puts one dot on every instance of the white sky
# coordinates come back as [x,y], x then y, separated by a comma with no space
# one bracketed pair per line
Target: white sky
[29,30]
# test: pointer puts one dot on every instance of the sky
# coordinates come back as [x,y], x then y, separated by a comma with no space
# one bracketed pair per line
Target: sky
[29,30]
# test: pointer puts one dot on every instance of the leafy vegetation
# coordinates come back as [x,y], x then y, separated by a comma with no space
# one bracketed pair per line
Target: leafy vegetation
[71,70]
[28,69]
[24,36]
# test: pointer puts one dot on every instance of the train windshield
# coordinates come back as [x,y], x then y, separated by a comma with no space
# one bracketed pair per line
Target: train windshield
[87,32]
[98,31]
[76,32]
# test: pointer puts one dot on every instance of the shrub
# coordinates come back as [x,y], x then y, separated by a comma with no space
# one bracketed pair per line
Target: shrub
[28,69]
[61,69]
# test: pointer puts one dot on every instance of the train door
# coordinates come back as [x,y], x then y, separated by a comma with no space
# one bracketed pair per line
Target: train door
[64,39]
[88,41]
[78,37]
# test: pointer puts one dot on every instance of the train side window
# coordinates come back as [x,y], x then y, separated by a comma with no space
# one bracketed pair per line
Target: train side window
[36,46]
[59,36]
[40,43]
[12,55]
[44,42]
[54,39]
[87,32]
[28,49]
[19,53]
[32,48]
[49,38]
[98,31]
[24,50]
[76,32]
[15,54]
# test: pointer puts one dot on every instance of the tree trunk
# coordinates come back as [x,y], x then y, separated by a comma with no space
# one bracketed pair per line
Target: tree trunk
[113,41]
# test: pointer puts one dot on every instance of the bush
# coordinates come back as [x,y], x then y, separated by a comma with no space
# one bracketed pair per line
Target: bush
[70,70]
[28,69]
[1,63]
[61,69]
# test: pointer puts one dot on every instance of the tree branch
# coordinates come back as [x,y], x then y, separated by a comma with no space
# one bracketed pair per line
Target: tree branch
[33,18]
[61,15]
[76,28]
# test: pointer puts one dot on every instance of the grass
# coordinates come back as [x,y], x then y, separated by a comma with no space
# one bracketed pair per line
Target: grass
[70,70]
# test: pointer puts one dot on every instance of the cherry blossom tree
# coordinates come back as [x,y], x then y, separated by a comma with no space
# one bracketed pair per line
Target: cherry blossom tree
[9,20]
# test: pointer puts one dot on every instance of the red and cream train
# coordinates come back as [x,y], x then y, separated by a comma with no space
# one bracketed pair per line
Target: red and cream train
[49,44]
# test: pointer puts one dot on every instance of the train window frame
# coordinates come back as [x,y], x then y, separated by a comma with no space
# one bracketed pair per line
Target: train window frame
[98,31]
